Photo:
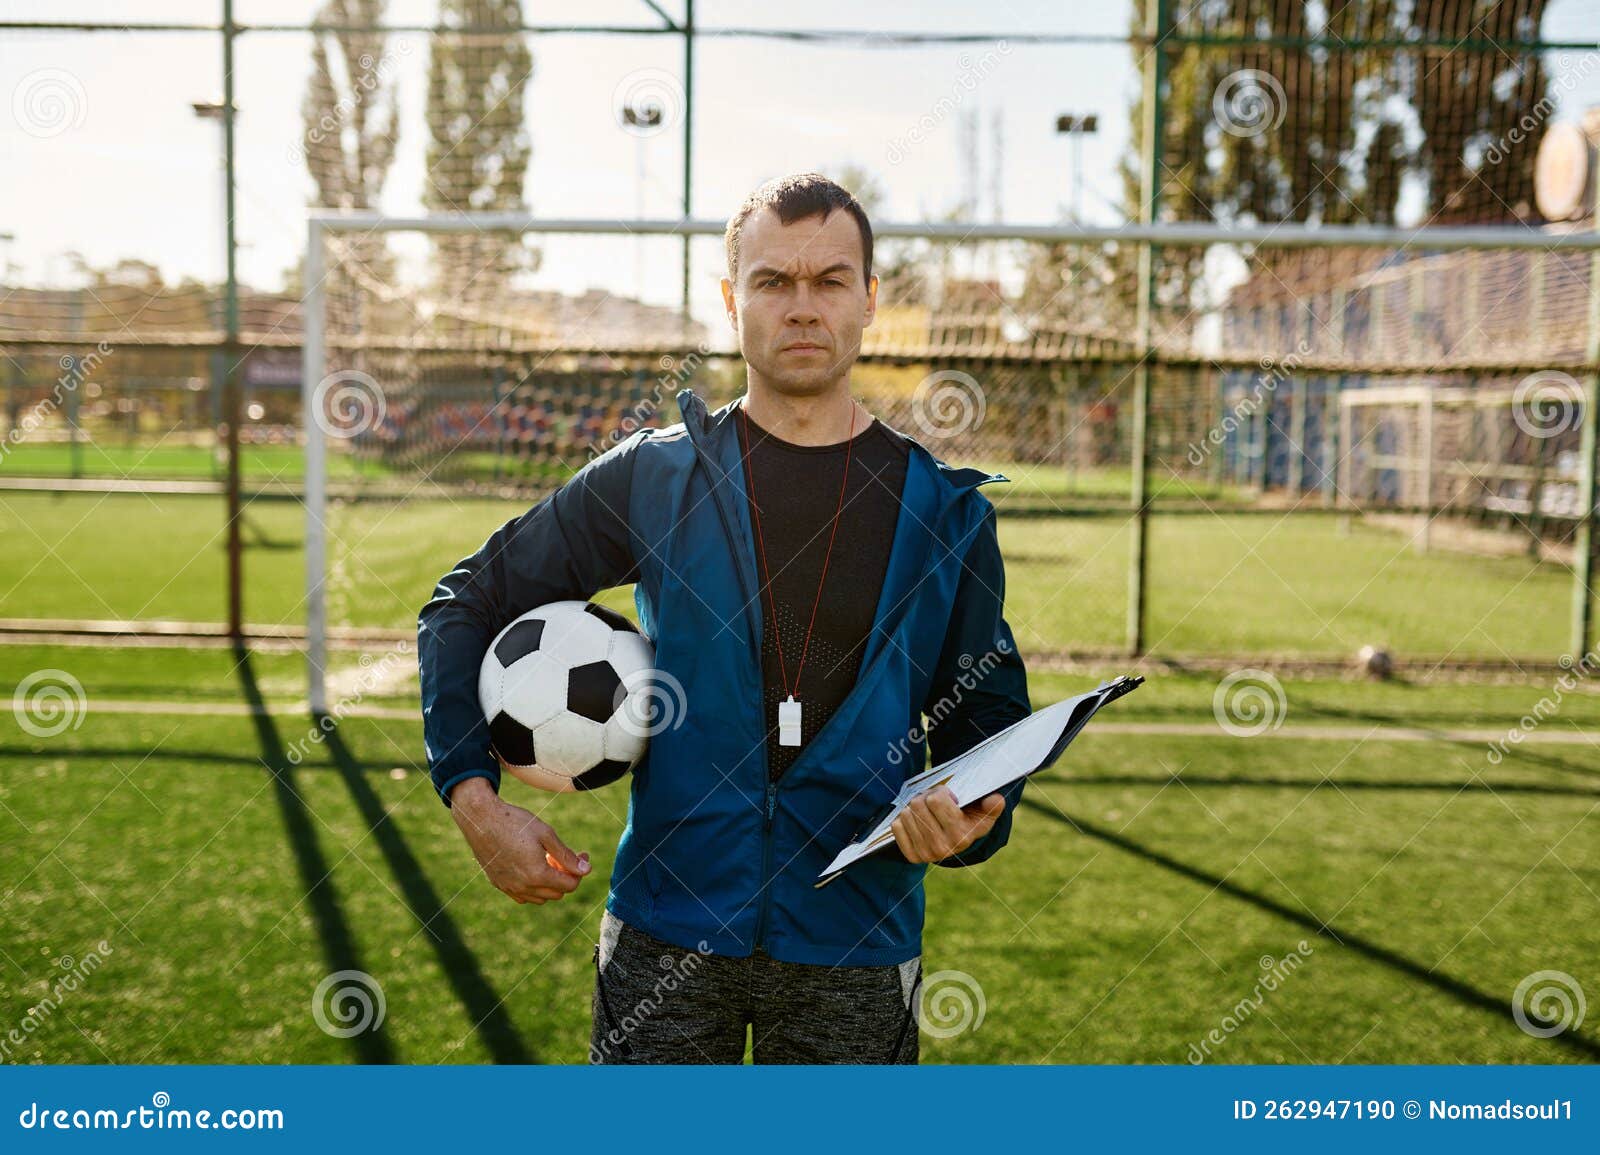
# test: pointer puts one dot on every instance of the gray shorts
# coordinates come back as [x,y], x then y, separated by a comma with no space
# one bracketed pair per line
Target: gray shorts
[655,1002]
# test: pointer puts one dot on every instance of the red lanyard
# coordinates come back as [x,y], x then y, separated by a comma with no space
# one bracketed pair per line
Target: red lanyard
[755,513]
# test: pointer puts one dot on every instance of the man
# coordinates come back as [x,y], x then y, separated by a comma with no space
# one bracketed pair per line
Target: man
[816,582]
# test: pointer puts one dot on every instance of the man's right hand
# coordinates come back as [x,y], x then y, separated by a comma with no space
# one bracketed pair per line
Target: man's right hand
[521,855]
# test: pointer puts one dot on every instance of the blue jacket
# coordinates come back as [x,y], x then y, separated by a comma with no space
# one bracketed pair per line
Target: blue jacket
[712,851]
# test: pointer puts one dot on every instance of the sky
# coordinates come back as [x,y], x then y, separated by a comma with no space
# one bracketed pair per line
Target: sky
[122,168]
[133,173]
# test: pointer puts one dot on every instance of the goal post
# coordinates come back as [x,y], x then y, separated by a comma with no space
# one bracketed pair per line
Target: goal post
[434,365]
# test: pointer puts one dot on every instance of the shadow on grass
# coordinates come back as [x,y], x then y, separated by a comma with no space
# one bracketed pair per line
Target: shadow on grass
[338,944]
[460,965]
[1454,988]
[257,536]
[1442,785]
[1440,726]
[134,753]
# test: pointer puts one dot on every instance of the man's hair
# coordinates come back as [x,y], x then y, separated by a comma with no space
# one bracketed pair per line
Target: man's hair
[794,198]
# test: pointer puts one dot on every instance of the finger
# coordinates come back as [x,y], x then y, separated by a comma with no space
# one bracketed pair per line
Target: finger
[901,838]
[985,812]
[574,864]
[557,863]
[943,809]
[555,880]
[907,838]
[930,835]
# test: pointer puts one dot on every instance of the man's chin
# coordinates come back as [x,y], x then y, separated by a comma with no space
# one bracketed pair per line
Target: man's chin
[810,381]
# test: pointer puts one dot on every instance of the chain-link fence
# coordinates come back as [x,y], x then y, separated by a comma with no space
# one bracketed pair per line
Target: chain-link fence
[1217,448]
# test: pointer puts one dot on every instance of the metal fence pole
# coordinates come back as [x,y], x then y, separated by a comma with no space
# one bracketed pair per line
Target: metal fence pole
[311,373]
[233,410]
[1425,469]
[1154,75]
[688,143]
[1300,396]
[1346,452]
[74,399]
[1333,389]
[1583,540]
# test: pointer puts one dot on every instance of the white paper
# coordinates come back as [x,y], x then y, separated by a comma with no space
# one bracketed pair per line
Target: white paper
[992,764]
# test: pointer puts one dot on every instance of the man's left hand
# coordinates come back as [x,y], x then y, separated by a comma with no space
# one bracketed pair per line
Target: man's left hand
[932,826]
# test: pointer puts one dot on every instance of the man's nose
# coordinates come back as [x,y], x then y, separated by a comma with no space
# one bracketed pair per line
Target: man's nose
[802,310]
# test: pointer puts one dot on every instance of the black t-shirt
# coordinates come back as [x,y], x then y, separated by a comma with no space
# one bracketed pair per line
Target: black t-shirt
[796,489]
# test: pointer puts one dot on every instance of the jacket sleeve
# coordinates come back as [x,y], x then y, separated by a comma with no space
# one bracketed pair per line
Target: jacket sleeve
[570,545]
[979,685]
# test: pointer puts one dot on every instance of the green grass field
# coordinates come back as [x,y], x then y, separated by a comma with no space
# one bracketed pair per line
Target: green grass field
[163,460]
[1147,878]
[148,458]
[1149,873]
[1226,583]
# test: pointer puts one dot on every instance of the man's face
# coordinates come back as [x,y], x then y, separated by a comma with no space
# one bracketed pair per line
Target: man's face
[801,302]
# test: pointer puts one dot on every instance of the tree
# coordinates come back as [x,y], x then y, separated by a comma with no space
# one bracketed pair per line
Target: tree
[351,122]
[1308,129]
[350,117]
[478,146]
[1294,116]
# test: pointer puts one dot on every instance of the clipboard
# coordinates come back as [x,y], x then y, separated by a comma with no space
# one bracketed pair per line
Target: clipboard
[1021,749]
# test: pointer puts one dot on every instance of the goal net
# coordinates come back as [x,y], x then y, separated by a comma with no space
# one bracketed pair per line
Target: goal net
[445,389]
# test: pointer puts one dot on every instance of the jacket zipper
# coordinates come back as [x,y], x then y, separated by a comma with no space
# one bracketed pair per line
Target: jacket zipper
[766,867]
[766,754]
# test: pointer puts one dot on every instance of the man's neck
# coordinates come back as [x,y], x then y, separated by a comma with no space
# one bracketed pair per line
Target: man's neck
[823,419]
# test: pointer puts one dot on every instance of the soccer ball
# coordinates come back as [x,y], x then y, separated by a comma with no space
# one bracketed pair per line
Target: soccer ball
[1375,661]
[565,689]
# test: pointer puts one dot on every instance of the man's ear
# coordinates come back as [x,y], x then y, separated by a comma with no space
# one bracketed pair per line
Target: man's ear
[729,303]
[872,299]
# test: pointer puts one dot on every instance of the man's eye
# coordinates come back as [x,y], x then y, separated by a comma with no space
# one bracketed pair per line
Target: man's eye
[771,283]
